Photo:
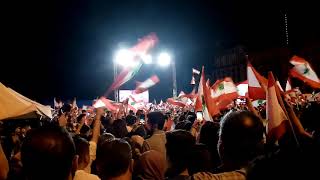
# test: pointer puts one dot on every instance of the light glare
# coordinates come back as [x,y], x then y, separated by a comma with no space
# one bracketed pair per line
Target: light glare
[164,59]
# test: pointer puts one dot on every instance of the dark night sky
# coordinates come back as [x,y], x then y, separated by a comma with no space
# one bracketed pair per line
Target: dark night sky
[65,48]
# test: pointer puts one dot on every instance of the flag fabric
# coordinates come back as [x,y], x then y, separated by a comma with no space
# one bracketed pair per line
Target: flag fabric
[288,84]
[277,119]
[193,80]
[195,71]
[224,92]
[142,87]
[279,85]
[176,102]
[181,94]
[303,71]
[139,50]
[104,102]
[257,84]
[57,104]
[203,97]
[242,88]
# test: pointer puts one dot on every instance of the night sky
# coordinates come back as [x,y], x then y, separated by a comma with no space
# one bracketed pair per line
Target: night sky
[65,48]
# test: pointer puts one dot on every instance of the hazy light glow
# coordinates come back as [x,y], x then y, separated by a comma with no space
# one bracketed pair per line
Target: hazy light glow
[147,59]
[164,59]
[125,57]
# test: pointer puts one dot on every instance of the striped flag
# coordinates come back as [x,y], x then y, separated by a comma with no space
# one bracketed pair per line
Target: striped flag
[303,71]
[257,84]
[139,50]
[224,92]
[141,87]
[203,97]
[104,102]
[277,119]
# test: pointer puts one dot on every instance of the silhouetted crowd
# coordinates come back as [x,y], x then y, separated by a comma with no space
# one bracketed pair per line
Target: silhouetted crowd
[158,144]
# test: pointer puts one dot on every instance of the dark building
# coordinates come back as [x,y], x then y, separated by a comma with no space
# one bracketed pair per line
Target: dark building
[230,63]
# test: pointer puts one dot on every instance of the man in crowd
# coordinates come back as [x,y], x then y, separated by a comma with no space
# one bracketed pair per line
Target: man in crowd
[49,153]
[240,141]
[179,147]
[114,160]
[155,124]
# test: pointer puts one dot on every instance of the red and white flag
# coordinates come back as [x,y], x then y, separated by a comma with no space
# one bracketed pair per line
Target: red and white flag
[257,84]
[288,84]
[142,87]
[277,119]
[203,97]
[176,102]
[224,92]
[303,71]
[139,50]
[104,102]
[195,71]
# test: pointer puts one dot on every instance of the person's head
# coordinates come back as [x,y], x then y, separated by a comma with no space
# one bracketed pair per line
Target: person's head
[131,120]
[136,148]
[155,120]
[151,165]
[114,160]
[209,136]
[64,114]
[179,148]
[200,159]
[191,118]
[105,137]
[119,129]
[82,150]
[240,138]
[48,153]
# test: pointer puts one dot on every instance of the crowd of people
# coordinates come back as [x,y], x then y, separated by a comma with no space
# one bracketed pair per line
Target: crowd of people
[159,143]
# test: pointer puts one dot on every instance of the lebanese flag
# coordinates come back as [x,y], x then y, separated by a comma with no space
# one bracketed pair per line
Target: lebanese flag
[277,119]
[176,102]
[288,84]
[139,50]
[303,71]
[142,87]
[203,97]
[104,102]
[257,84]
[224,92]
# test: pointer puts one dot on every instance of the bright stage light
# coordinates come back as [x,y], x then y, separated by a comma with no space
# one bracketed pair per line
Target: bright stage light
[124,57]
[164,59]
[147,59]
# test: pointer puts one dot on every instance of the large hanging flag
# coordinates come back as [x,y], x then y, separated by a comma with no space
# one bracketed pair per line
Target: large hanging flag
[203,97]
[139,50]
[257,84]
[303,71]
[277,119]
[142,87]
[224,92]
[288,84]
